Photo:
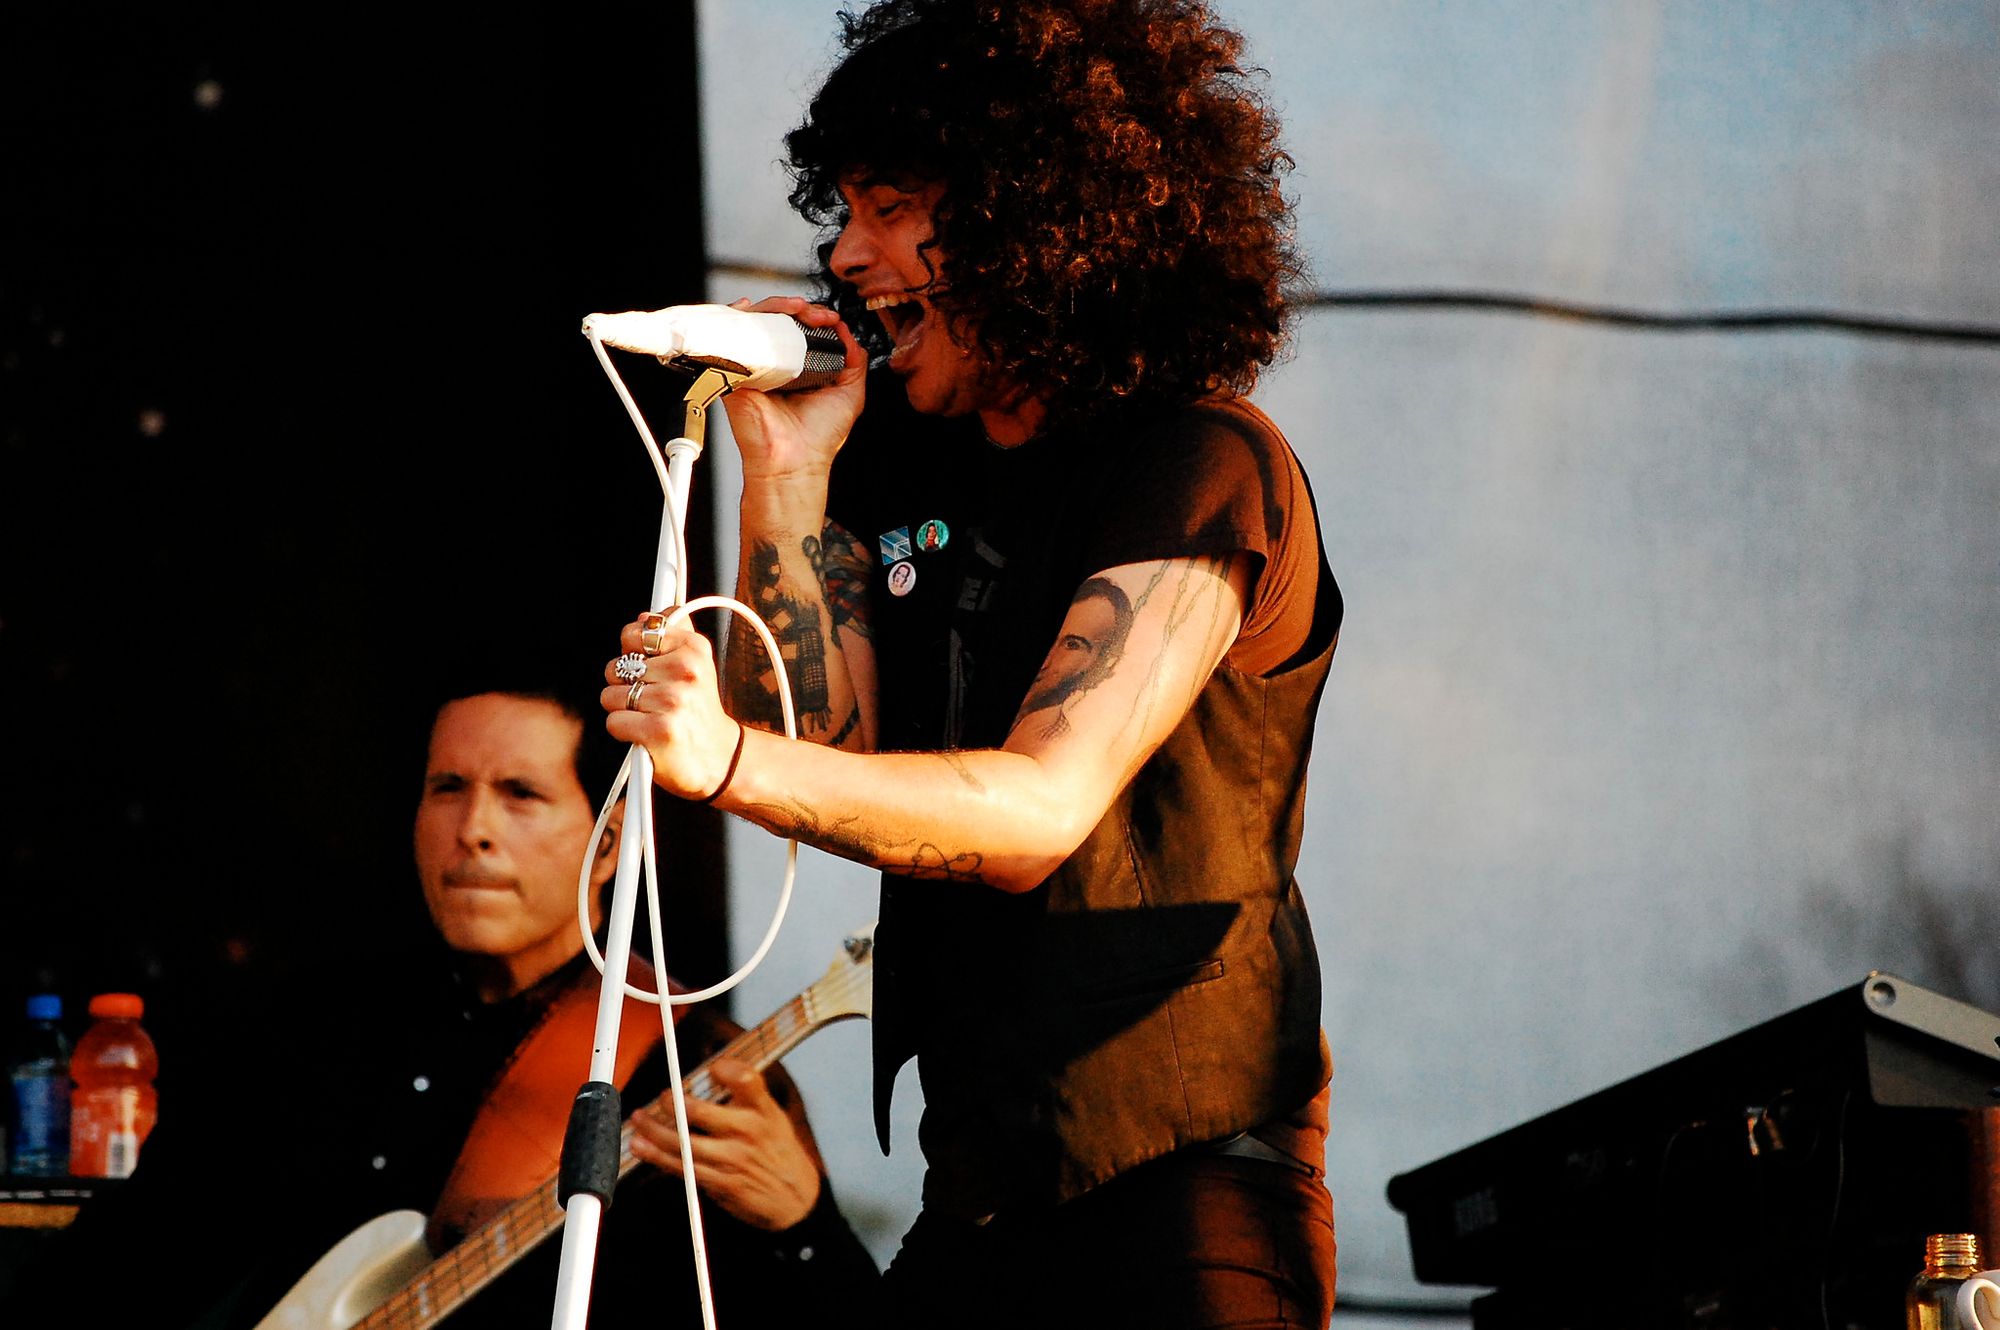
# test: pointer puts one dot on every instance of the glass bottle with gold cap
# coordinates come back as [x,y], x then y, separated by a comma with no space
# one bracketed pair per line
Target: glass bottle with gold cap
[1949,1260]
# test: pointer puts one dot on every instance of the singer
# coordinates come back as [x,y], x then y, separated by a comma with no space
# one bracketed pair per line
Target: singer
[1052,598]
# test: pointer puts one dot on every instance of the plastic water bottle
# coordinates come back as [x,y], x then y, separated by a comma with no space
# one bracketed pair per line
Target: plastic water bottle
[114,1105]
[40,1079]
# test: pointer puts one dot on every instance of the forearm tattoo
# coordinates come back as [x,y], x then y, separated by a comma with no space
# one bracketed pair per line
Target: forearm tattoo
[847,837]
[840,568]
[932,864]
[963,771]
[843,570]
[847,727]
[753,683]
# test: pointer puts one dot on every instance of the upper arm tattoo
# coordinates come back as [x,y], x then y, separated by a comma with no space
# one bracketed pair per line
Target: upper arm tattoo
[1087,648]
[1196,605]
[1098,628]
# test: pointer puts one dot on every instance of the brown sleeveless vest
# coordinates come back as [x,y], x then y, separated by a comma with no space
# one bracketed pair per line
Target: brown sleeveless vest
[1160,989]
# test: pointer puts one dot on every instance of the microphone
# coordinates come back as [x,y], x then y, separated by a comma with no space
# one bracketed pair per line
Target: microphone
[773,351]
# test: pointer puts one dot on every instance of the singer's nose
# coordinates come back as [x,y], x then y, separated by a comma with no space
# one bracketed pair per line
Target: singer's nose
[851,253]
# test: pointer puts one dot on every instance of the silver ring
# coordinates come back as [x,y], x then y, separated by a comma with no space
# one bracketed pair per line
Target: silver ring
[632,694]
[652,627]
[631,667]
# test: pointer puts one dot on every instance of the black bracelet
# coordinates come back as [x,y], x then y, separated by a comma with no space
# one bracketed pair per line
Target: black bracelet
[730,774]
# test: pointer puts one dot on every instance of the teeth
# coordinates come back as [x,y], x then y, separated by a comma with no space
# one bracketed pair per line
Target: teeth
[902,316]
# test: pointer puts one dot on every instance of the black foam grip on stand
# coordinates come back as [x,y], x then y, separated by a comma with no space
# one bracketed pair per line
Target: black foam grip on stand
[590,1145]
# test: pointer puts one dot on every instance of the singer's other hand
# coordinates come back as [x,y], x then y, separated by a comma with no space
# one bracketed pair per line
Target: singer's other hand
[678,716]
[787,435]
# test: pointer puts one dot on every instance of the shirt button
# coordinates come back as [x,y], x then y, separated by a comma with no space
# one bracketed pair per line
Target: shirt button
[421,1084]
[379,1162]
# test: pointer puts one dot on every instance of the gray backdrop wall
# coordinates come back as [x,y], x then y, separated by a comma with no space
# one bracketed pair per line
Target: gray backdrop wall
[1668,696]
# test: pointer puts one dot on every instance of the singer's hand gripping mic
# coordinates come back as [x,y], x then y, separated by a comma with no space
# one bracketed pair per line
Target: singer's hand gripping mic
[772,351]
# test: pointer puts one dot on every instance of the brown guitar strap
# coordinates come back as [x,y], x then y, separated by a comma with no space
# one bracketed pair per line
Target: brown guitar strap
[516,1139]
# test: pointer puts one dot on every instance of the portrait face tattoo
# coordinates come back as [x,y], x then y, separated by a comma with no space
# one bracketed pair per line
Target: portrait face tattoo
[1092,637]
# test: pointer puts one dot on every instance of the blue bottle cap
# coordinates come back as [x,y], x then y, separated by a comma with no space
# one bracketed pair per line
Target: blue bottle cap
[45,1007]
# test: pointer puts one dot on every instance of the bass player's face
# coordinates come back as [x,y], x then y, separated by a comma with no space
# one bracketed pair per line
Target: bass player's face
[501,831]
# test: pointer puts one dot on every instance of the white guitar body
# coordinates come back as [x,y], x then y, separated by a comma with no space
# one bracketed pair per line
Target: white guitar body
[356,1277]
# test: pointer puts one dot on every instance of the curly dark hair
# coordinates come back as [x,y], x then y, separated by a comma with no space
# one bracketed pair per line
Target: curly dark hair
[1113,212]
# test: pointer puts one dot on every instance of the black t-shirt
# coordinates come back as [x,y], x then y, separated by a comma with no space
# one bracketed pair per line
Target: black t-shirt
[979,550]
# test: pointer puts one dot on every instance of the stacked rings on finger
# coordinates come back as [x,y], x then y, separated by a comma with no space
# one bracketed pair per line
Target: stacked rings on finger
[631,668]
[652,627]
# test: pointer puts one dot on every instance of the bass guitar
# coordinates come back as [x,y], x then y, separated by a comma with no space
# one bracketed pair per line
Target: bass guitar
[382,1275]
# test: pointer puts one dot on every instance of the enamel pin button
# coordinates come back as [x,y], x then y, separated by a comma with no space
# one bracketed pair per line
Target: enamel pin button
[894,545]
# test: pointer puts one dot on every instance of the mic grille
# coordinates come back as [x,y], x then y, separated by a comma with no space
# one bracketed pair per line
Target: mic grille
[825,356]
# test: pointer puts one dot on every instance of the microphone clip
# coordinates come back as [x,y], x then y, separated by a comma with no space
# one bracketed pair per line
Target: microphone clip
[709,387]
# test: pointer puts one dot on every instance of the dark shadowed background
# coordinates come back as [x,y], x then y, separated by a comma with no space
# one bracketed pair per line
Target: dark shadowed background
[295,420]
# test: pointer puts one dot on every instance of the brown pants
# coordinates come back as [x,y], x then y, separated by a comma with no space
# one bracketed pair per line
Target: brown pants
[1192,1240]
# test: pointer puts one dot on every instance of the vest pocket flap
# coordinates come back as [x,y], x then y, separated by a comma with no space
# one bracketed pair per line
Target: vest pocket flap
[1155,982]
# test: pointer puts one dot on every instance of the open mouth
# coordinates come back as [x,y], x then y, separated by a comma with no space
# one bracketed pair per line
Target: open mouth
[903,317]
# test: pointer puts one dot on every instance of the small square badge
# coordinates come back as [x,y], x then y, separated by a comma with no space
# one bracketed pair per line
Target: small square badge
[894,545]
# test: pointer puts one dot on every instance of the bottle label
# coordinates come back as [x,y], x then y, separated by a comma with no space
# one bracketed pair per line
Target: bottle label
[121,1154]
[110,1124]
[41,1121]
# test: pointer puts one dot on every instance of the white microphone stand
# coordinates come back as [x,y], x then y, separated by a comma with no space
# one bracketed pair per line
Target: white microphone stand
[591,1146]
